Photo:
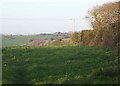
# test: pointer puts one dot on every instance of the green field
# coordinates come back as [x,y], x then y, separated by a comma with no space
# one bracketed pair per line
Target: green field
[20,40]
[59,65]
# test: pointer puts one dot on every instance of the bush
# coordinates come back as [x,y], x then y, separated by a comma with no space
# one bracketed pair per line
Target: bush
[75,37]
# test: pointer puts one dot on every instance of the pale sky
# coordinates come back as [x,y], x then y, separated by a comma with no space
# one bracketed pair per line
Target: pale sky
[39,16]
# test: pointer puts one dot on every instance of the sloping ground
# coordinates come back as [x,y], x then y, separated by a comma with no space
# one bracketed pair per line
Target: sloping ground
[46,42]
[39,42]
[20,40]
[59,65]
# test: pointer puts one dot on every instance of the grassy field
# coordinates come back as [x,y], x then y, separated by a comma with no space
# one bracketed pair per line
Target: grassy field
[59,65]
[20,40]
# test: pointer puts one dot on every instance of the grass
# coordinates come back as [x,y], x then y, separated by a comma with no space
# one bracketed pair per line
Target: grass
[59,65]
[20,40]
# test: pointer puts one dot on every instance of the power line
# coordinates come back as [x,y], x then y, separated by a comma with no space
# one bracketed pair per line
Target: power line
[32,19]
[43,19]
[36,19]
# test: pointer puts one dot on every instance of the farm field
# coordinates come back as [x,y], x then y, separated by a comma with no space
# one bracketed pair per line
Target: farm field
[73,64]
[20,40]
[59,42]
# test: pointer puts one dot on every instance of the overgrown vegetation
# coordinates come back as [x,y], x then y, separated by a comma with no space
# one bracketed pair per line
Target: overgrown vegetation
[105,22]
[75,37]
[59,65]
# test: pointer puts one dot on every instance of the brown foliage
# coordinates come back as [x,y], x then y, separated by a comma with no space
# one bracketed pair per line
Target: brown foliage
[105,21]
[87,37]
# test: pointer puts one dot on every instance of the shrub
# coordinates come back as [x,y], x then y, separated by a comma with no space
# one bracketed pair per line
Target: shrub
[75,37]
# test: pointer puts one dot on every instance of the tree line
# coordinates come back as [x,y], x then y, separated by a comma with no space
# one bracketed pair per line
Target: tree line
[105,21]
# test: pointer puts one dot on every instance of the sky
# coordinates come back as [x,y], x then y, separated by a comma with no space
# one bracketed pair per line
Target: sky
[45,16]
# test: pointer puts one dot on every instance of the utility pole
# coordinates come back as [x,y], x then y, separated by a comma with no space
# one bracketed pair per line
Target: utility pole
[73,24]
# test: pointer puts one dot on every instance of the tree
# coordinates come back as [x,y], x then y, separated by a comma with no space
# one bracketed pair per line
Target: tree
[105,21]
